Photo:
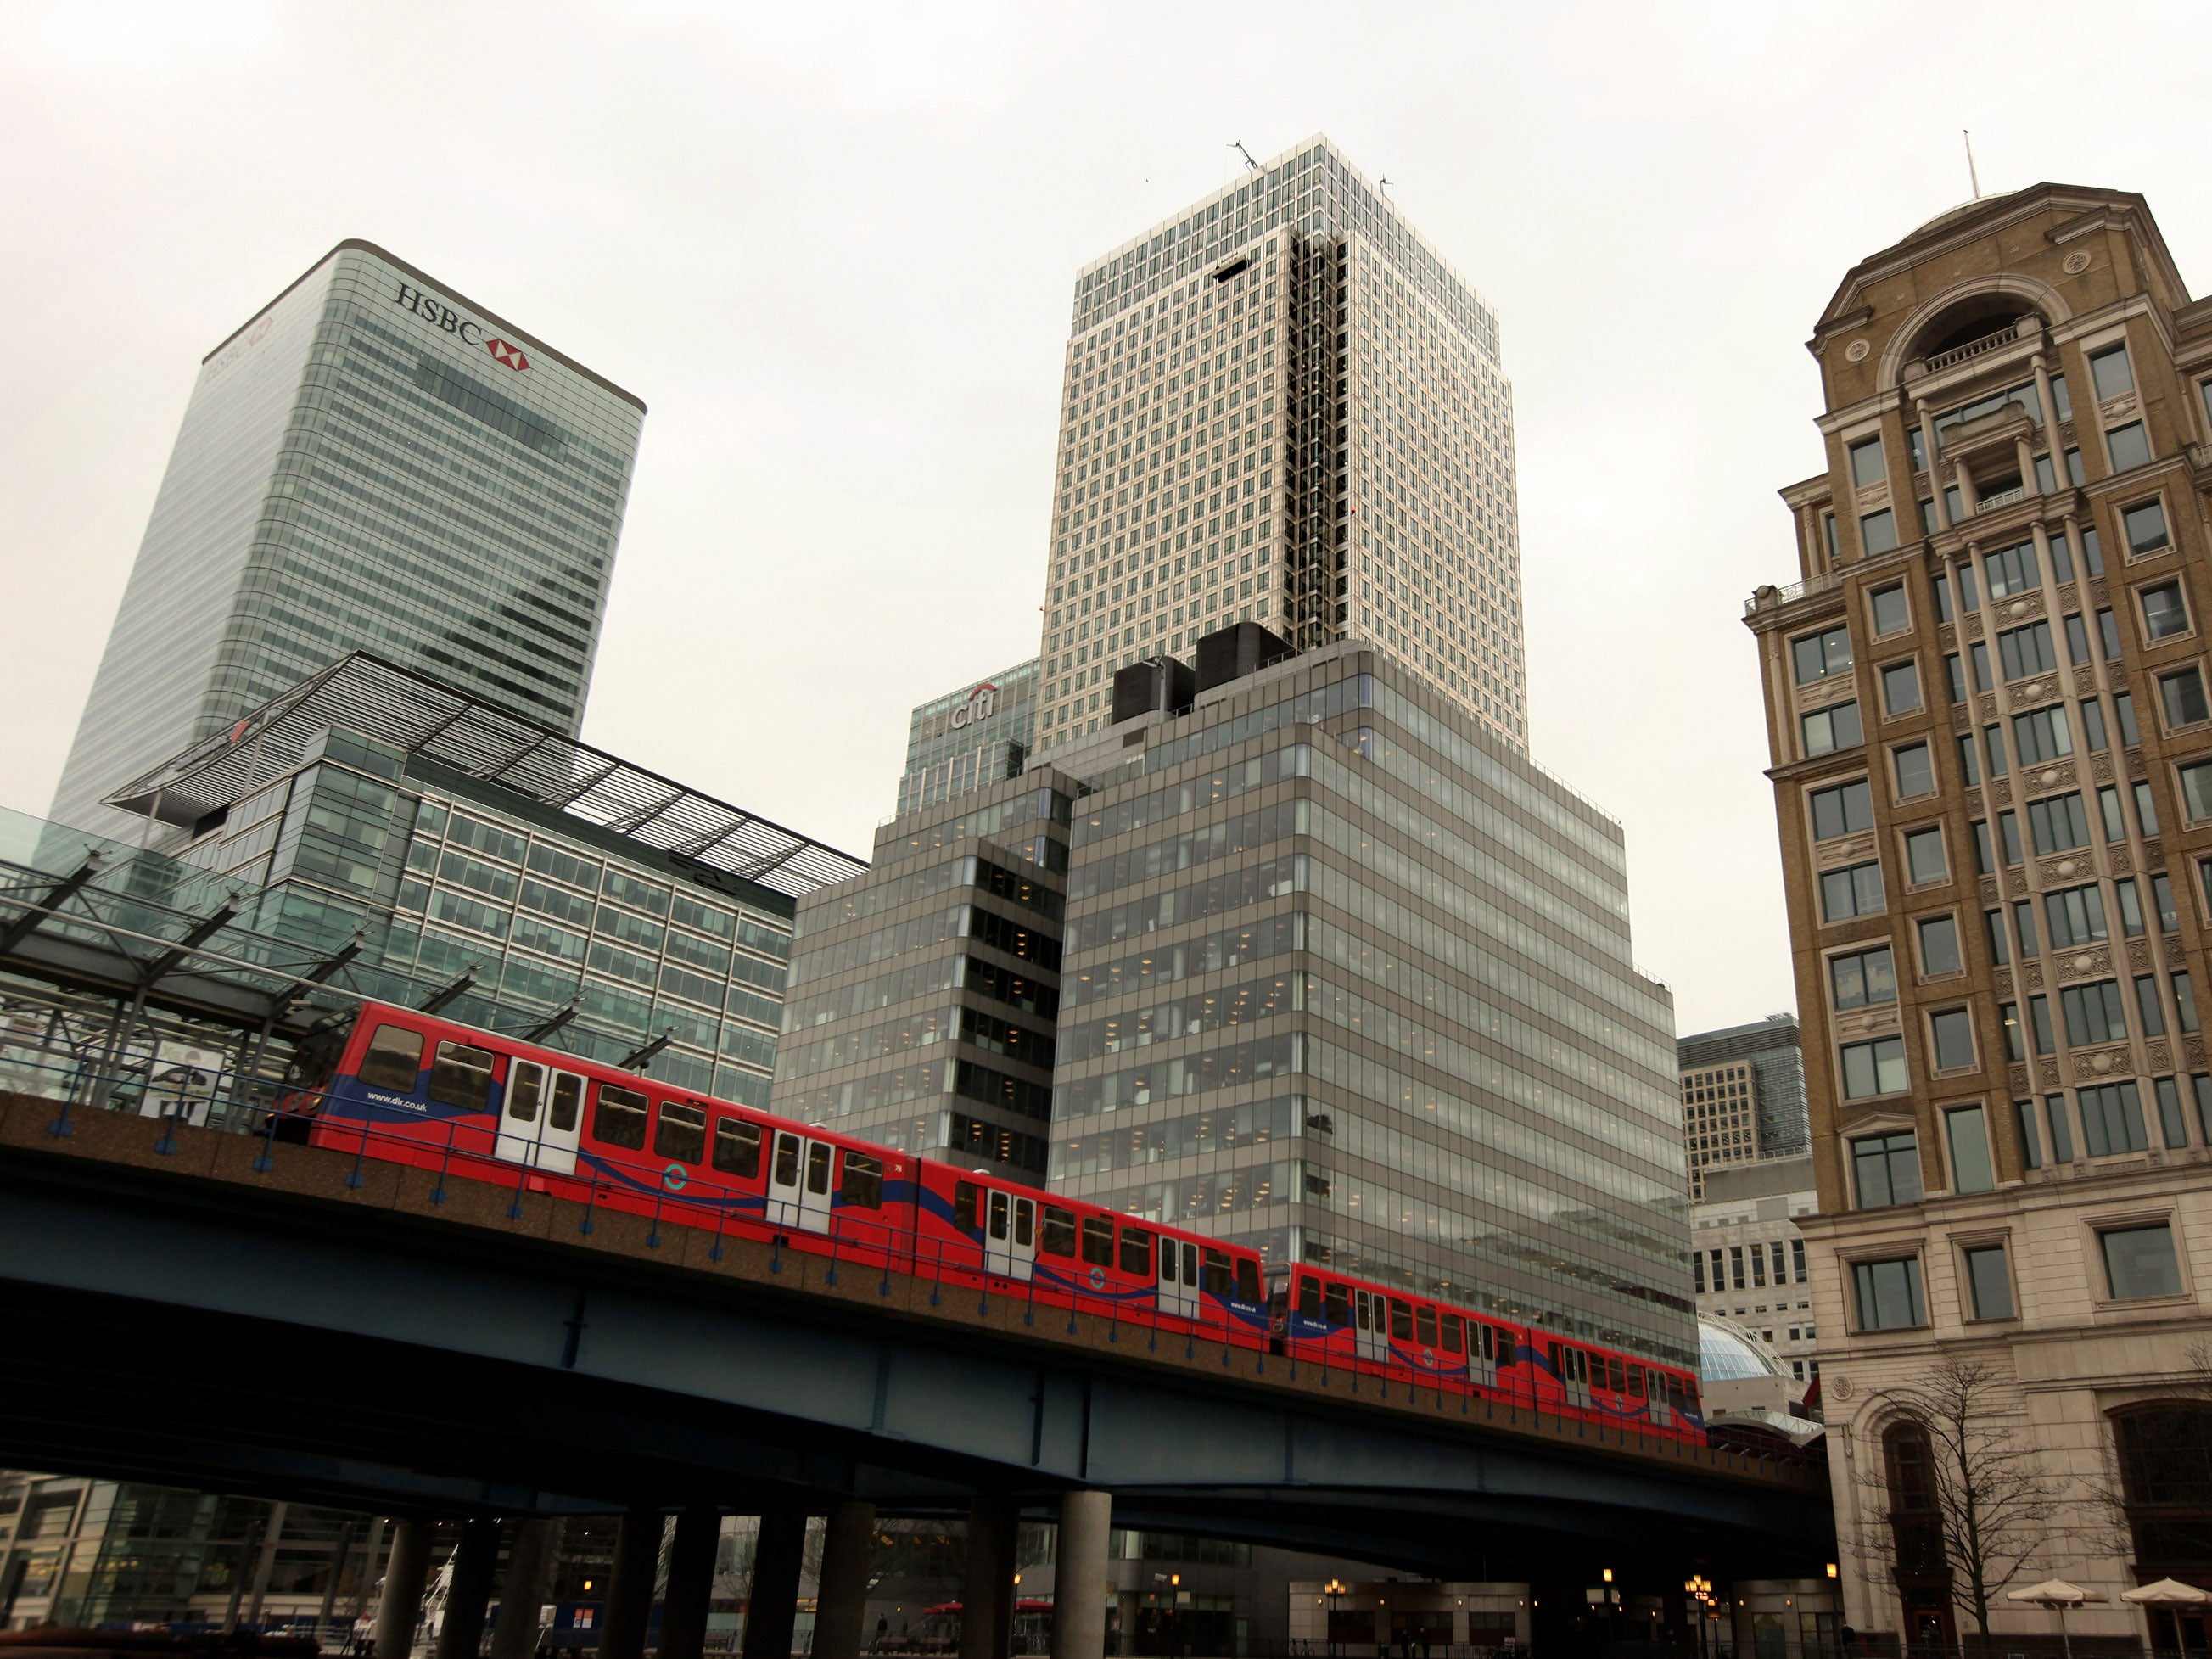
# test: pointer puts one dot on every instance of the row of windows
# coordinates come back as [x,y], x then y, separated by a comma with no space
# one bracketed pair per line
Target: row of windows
[2138,1261]
[1764,1259]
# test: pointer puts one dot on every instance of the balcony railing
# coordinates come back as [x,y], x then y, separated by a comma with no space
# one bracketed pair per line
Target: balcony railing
[2002,498]
[1771,598]
[1943,360]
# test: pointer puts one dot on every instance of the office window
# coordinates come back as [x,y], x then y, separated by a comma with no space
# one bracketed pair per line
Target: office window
[1901,687]
[2023,918]
[2024,650]
[2142,526]
[2039,1021]
[1970,760]
[2008,1023]
[2140,1261]
[2008,835]
[2046,483]
[1986,861]
[1951,1034]
[2164,615]
[1867,466]
[2061,550]
[2000,941]
[2172,1125]
[1862,978]
[1878,532]
[2130,906]
[1698,1270]
[1954,676]
[2011,570]
[1979,651]
[2108,808]
[2146,810]
[2150,1010]
[1797,1261]
[2095,1013]
[1816,656]
[2062,1133]
[2201,1086]
[2076,916]
[1939,585]
[1845,810]
[2161,895]
[1970,1169]
[2196,790]
[1892,615]
[1923,856]
[1825,730]
[1736,1265]
[1874,1068]
[2058,824]
[2093,545]
[1989,1286]
[1939,945]
[2111,372]
[2130,446]
[1855,891]
[1888,1294]
[2108,634]
[1915,769]
[2183,694]
[2077,640]
[2031,1145]
[2185,1002]
[2041,735]
[1887,1168]
[2093,726]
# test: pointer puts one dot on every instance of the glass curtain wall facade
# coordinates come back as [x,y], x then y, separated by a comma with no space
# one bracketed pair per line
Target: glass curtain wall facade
[1282,405]
[1743,1095]
[372,462]
[1348,978]
[969,738]
[924,995]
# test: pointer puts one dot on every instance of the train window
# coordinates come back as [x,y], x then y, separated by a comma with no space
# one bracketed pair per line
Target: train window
[1636,1381]
[1024,1221]
[620,1118]
[998,1215]
[737,1148]
[785,1173]
[461,1076]
[567,1102]
[963,1206]
[1454,1334]
[1506,1346]
[1308,1296]
[1336,1306]
[525,1085]
[1191,1266]
[1098,1240]
[394,1060]
[817,1166]
[1058,1237]
[1364,1306]
[1616,1376]
[1136,1252]
[1553,1349]
[1214,1280]
[1402,1321]
[1248,1279]
[863,1185]
[681,1134]
[1425,1326]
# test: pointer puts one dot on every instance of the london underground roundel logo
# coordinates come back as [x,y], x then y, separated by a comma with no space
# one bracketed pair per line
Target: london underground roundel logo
[510,354]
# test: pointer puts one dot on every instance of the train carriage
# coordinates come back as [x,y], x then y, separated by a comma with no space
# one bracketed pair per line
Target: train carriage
[398,1085]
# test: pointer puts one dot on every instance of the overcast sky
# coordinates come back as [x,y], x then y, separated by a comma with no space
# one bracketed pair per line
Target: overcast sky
[833,247]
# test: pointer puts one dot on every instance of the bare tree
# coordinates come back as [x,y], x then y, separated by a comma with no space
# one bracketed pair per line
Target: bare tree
[1973,1502]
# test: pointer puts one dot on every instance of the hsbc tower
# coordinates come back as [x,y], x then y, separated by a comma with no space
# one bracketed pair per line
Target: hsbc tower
[373,462]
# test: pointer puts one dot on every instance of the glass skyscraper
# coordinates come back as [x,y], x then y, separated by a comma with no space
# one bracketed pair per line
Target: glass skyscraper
[373,462]
[1282,405]
[969,738]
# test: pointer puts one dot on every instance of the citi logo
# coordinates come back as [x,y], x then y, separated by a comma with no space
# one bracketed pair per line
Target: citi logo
[440,315]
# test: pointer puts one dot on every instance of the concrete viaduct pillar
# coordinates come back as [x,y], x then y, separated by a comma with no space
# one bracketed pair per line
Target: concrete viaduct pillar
[986,1593]
[404,1574]
[531,1556]
[468,1590]
[629,1588]
[691,1584]
[1078,1596]
[772,1600]
[841,1599]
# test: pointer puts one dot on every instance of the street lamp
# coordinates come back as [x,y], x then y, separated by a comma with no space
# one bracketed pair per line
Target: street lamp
[1334,1590]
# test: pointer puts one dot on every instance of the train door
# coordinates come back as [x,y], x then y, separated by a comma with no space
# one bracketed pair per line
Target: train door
[1370,1315]
[799,1183]
[543,1118]
[1179,1278]
[1010,1235]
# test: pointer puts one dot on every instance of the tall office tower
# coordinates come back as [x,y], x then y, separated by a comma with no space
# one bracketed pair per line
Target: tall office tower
[1992,765]
[372,462]
[1283,406]
[969,738]
[1347,977]
[1743,1095]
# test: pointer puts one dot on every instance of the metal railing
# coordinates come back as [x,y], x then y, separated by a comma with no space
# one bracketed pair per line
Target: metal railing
[2002,498]
[1972,348]
[1771,598]
[281,1117]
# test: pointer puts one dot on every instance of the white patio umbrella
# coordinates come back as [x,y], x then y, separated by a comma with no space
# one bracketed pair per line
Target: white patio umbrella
[2058,1594]
[2172,1594]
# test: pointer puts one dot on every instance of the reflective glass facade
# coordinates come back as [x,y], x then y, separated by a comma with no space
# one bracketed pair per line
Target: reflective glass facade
[969,738]
[372,462]
[1348,978]
[1282,405]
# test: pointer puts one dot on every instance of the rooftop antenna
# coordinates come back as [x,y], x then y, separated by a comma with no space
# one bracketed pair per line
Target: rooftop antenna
[1238,145]
[1973,177]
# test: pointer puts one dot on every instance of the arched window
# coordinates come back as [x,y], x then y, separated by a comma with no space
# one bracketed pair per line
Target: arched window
[2165,1448]
[1971,320]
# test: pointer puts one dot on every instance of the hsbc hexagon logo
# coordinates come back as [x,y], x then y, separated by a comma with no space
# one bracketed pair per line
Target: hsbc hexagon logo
[503,353]
[440,315]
